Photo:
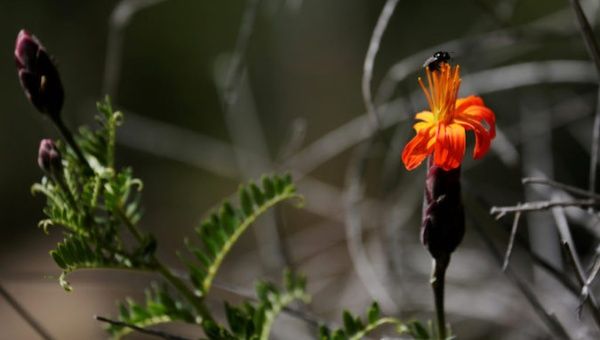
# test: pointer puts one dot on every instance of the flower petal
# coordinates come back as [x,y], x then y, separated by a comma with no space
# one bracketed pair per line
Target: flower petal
[483,138]
[471,113]
[427,121]
[462,103]
[473,107]
[484,113]
[426,116]
[449,146]
[418,149]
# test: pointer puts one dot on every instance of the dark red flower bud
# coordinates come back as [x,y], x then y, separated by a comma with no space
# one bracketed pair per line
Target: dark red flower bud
[49,158]
[38,75]
[443,225]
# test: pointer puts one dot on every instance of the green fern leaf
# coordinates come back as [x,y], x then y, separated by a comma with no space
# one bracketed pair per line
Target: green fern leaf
[223,228]
[249,322]
[74,253]
[355,329]
[160,307]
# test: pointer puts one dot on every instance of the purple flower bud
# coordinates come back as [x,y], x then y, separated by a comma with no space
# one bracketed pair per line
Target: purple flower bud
[38,75]
[443,225]
[49,158]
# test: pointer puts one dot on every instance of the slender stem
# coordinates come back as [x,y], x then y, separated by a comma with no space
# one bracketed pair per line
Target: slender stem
[382,23]
[595,147]
[176,282]
[438,278]
[541,205]
[588,34]
[196,301]
[562,186]
[142,330]
[59,180]
[25,315]
[594,51]
[68,136]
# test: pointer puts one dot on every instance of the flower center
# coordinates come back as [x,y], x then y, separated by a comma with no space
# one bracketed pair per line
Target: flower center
[442,91]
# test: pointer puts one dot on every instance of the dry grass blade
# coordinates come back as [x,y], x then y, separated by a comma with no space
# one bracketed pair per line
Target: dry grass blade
[511,241]
[380,27]
[146,331]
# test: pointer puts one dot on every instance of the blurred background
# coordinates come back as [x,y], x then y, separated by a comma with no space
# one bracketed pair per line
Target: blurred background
[298,107]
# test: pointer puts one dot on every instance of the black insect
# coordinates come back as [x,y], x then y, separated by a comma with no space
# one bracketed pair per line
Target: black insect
[438,58]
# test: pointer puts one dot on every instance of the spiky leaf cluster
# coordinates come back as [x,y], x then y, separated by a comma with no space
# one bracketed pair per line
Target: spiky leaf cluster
[354,328]
[160,307]
[219,232]
[91,202]
[253,321]
[418,331]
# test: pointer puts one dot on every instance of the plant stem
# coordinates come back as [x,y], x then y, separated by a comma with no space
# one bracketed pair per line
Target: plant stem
[142,330]
[196,301]
[438,278]
[176,282]
[68,136]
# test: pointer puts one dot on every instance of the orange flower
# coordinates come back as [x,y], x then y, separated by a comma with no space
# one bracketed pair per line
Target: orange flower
[441,131]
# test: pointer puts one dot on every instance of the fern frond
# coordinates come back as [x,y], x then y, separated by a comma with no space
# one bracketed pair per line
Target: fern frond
[224,227]
[160,307]
[354,327]
[272,301]
[253,322]
[74,253]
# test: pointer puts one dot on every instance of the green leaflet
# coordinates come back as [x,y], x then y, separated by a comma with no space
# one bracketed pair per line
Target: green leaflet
[355,328]
[160,307]
[254,321]
[74,253]
[222,229]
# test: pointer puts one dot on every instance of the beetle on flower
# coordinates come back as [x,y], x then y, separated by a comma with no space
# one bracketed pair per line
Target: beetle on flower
[441,130]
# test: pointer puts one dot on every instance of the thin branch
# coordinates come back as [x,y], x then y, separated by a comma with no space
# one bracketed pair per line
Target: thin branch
[119,19]
[151,332]
[595,147]
[378,32]
[511,241]
[588,34]
[549,319]
[594,271]
[559,275]
[585,295]
[594,52]
[569,246]
[541,205]
[353,194]
[562,186]
[25,315]
[247,136]
[236,62]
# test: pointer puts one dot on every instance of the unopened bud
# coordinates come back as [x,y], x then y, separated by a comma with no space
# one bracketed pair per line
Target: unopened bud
[443,225]
[49,158]
[38,75]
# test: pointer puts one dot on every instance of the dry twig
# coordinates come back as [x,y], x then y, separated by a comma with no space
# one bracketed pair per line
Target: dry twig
[382,23]
[159,334]
[25,315]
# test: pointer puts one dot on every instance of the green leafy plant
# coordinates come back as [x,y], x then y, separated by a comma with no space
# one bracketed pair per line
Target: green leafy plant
[99,212]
